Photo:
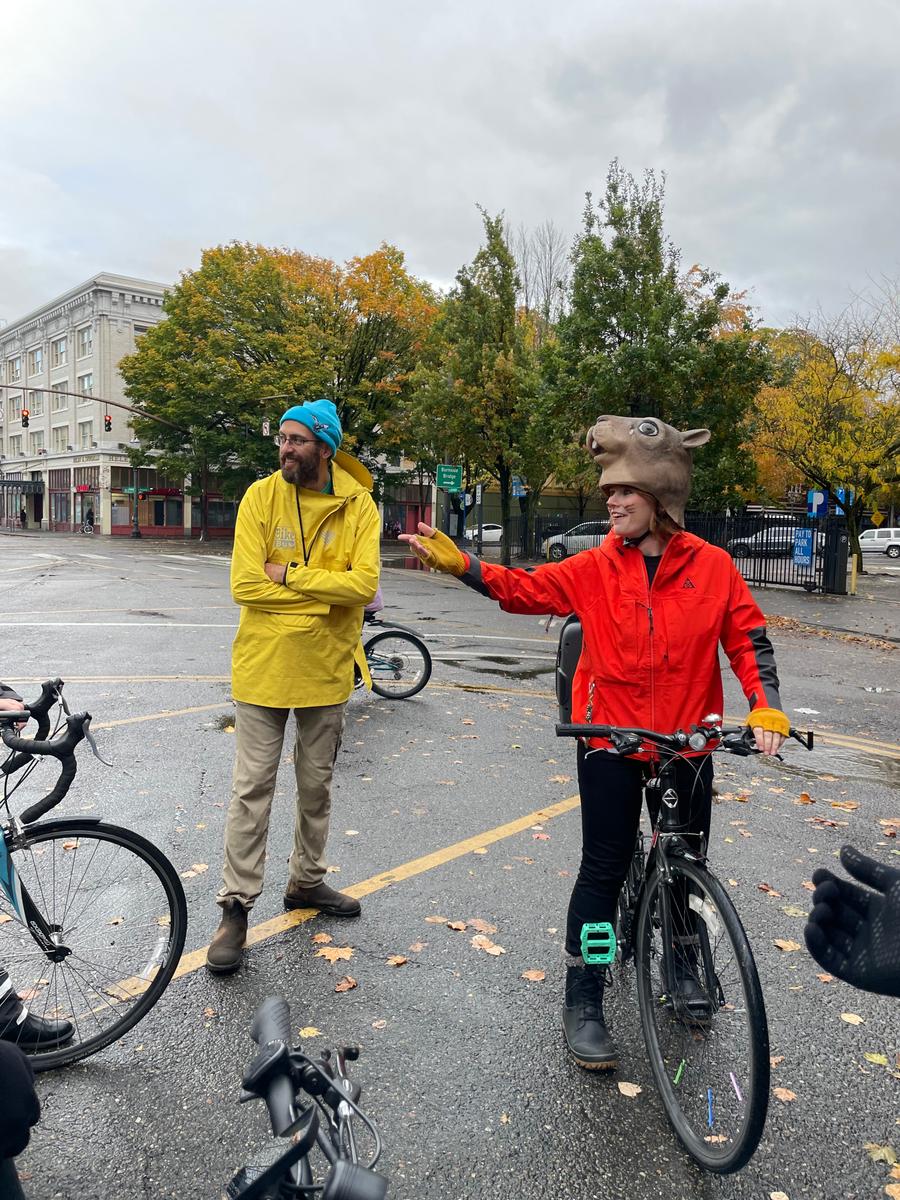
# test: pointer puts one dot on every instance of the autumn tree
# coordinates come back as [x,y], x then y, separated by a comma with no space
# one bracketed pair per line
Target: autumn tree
[837,418]
[253,329]
[640,336]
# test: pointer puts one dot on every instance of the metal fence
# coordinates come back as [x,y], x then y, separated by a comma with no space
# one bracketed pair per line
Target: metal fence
[784,549]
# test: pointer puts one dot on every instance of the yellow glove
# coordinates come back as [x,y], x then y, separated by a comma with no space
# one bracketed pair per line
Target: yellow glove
[771,719]
[439,552]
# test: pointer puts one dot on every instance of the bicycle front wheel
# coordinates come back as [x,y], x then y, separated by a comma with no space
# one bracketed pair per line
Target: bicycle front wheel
[116,911]
[399,664]
[705,1027]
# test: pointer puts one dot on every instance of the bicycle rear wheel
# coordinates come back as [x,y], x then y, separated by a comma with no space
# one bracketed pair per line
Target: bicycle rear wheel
[118,917]
[711,1066]
[399,664]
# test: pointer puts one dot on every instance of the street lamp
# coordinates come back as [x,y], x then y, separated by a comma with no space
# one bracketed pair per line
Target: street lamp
[135,523]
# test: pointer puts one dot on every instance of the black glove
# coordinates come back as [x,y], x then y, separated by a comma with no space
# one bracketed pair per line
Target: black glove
[19,1105]
[853,932]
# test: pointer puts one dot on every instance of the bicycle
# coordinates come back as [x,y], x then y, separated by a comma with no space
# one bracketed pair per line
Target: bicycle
[702,1012]
[399,663]
[92,916]
[281,1076]
[87,527]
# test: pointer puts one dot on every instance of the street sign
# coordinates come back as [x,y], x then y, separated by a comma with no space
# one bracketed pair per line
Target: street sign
[803,548]
[518,487]
[477,493]
[817,503]
[844,498]
[266,427]
[449,477]
[877,518]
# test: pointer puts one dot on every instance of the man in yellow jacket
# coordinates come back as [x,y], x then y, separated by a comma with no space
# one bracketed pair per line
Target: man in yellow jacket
[305,563]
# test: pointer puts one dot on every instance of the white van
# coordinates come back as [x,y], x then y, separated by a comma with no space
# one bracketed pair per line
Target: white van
[880,541]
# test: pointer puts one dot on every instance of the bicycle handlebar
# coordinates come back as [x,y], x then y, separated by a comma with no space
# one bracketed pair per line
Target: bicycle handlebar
[63,747]
[271,1030]
[736,738]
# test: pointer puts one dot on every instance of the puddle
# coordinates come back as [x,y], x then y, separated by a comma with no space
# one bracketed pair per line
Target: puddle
[408,562]
[519,674]
[848,765]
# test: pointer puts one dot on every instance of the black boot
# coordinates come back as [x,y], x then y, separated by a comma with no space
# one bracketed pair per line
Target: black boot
[35,1034]
[586,1034]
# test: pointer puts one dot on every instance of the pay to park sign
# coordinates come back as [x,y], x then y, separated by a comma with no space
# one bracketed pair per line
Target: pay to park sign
[449,477]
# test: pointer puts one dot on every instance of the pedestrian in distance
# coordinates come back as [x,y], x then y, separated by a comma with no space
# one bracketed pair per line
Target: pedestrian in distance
[853,929]
[655,603]
[89,517]
[17,1023]
[23,517]
[305,563]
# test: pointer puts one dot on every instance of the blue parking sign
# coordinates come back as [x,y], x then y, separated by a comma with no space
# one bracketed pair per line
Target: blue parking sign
[817,503]
[803,548]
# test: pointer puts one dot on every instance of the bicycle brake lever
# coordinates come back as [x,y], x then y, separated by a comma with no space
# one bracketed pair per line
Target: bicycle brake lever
[89,738]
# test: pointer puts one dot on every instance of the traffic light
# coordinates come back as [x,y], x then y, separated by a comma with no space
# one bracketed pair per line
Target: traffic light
[25,416]
[107,424]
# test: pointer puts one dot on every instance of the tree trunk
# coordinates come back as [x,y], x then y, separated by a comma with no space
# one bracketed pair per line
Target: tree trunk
[504,478]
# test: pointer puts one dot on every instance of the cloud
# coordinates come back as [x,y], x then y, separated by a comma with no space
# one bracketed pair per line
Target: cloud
[140,134]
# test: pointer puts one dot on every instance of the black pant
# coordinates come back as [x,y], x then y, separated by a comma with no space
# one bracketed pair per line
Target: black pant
[610,790]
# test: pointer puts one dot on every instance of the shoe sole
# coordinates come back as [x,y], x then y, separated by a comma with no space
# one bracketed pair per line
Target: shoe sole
[323,908]
[216,969]
[611,1065]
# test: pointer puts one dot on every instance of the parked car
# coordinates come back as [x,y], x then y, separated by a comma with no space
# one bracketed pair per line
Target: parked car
[491,535]
[579,537]
[775,542]
[880,541]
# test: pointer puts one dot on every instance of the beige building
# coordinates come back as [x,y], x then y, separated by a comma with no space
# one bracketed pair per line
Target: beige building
[66,465]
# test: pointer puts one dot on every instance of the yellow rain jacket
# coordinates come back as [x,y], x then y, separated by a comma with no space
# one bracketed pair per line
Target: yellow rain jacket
[295,642]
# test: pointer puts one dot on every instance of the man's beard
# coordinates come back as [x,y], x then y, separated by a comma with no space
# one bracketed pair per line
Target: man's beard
[302,472]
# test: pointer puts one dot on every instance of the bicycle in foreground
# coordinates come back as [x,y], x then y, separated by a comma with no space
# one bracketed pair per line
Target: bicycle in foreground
[399,661]
[702,1012]
[312,1105]
[92,916]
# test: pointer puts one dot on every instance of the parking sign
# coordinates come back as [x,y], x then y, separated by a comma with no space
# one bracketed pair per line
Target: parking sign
[803,548]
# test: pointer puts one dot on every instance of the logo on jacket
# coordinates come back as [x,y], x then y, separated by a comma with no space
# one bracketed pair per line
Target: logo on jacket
[284,539]
[687,584]
[327,537]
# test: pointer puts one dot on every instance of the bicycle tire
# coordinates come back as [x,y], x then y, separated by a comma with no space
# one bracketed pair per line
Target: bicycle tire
[712,1073]
[124,925]
[414,676]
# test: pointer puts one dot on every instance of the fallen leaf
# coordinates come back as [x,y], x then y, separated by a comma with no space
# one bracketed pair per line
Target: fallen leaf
[852,1018]
[335,954]
[630,1089]
[322,939]
[480,926]
[416,947]
[845,805]
[436,920]
[351,832]
[165,921]
[382,1024]
[804,798]
[332,870]
[778,1196]
[745,833]
[808,885]
[786,944]
[480,942]
[480,850]
[785,1095]
[793,911]
[534,976]
[397,960]
[560,778]
[346,984]
[885,1154]
[199,867]
[4,917]
[70,845]
[468,721]
[892,1190]
[824,977]
[504,1118]
[769,890]
[459,926]
[116,920]
[541,837]
[880,1060]
[209,1012]
[732,883]
[775,1059]
[309,1031]
[777,790]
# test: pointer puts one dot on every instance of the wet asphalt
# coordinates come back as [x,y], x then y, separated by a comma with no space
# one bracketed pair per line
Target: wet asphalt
[462,1062]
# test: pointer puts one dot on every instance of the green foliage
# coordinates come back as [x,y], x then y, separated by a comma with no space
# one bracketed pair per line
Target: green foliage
[641,338]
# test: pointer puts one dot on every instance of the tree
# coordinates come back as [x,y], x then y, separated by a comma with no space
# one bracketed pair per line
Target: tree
[254,328]
[837,418]
[640,337]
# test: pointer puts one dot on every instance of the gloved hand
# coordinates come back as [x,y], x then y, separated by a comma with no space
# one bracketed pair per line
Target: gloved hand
[855,933]
[770,727]
[436,550]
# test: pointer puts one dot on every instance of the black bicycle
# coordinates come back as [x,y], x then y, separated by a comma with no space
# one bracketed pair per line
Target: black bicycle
[702,1011]
[312,1106]
[92,917]
[398,659]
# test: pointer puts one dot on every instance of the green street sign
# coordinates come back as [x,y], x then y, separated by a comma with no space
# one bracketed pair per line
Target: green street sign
[449,477]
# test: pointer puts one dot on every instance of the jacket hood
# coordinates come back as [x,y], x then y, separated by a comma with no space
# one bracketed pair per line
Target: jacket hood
[350,475]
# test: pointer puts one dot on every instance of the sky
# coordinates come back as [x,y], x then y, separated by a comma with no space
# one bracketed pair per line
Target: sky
[136,135]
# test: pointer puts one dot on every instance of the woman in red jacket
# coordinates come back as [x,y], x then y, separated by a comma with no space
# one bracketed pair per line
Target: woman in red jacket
[654,603]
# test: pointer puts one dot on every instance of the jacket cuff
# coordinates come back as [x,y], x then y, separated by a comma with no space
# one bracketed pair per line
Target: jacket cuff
[471,577]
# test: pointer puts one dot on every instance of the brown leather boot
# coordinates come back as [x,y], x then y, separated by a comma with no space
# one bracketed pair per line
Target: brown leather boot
[225,950]
[322,897]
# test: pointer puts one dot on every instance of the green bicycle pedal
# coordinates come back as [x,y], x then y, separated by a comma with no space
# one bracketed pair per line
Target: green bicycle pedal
[598,943]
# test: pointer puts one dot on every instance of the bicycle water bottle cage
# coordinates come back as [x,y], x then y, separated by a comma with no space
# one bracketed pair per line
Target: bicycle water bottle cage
[598,943]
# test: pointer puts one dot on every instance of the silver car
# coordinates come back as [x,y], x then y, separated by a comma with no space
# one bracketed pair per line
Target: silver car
[880,541]
[579,537]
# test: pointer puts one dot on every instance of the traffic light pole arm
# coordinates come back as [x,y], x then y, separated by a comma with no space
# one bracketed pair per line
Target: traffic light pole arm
[19,387]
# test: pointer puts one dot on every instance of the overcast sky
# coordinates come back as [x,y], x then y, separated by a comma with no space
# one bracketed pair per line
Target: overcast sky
[135,134]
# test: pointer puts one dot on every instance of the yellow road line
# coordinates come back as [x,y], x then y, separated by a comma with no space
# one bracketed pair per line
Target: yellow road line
[161,716]
[376,883]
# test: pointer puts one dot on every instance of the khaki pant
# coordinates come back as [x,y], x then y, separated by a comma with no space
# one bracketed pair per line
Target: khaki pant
[259,738]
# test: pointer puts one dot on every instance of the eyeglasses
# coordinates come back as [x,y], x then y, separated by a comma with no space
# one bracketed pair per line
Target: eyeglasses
[292,439]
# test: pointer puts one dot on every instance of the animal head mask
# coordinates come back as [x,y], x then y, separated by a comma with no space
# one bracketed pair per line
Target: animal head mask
[647,454]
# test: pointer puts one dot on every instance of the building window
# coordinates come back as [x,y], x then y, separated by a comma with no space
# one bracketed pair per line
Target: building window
[140,330]
[85,434]
[86,385]
[59,399]
[37,441]
[35,361]
[15,445]
[60,438]
[15,407]
[36,403]
[14,369]
[85,341]
[58,352]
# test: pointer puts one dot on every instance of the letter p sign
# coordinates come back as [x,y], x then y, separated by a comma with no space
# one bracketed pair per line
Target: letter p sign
[817,503]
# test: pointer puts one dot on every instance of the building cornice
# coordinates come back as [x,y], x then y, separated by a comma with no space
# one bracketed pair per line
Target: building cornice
[105,281]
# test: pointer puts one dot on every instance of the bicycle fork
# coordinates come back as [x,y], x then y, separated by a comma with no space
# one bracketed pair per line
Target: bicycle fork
[26,912]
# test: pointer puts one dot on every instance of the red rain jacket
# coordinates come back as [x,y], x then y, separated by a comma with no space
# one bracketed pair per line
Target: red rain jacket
[650,656]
